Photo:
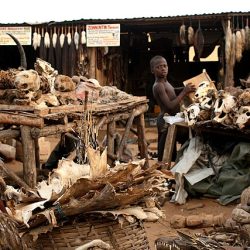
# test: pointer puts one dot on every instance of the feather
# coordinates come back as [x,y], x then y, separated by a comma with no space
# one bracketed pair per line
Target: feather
[61,38]
[190,35]
[76,39]
[198,43]
[69,39]
[46,40]
[183,34]
[34,40]
[83,37]
[238,46]
[228,42]
[54,39]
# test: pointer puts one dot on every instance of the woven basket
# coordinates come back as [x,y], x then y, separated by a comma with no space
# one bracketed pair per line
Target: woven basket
[128,236]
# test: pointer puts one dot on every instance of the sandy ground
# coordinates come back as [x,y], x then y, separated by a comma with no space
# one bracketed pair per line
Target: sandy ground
[162,227]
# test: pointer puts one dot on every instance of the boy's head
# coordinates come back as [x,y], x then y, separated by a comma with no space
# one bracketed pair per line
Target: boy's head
[158,65]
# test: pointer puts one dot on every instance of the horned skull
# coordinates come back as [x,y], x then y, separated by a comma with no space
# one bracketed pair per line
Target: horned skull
[191,114]
[243,117]
[27,80]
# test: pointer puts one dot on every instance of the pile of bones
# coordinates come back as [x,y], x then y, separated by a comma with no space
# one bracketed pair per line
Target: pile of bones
[229,107]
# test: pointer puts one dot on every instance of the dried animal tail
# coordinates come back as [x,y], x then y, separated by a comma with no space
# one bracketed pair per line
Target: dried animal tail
[23,62]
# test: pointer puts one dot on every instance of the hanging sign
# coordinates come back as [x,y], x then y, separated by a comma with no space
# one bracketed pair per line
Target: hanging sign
[23,34]
[102,35]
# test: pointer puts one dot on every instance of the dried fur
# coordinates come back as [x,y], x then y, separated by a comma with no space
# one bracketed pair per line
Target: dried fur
[35,40]
[198,42]
[247,37]
[243,38]
[46,40]
[54,39]
[233,50]
[62,37]
[228,43]
[76,39]
[38,39]
[238,46]
[83,37]
[190,35]
[182,33]
[69,39]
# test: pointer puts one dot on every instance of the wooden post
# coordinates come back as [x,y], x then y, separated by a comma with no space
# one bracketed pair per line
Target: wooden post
[170,143]
[111,127]
[92,66]
[142,143]
[29,159]
[126,133]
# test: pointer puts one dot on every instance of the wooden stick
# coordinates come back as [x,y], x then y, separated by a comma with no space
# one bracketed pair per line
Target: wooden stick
[14,177]
[9,134]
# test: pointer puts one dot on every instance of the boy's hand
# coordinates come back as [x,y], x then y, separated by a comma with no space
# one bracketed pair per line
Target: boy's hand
[189,88]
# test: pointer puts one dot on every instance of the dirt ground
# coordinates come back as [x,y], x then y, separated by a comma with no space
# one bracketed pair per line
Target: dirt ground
[162,227]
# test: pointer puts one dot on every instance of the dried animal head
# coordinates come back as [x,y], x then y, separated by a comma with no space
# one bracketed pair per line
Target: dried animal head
[204,89]
[225,103]
[27,80]
[244,98]
[243,117]
[192,113]
[64,83]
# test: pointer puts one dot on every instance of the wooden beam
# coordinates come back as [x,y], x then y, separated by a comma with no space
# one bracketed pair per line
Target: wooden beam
[9,134]
[29,159]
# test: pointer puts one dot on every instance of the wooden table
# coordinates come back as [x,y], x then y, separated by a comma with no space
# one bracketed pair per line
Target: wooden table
[33,123]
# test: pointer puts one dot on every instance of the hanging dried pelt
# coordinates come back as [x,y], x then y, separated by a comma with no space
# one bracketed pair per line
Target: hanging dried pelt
[238,46]
[182,32]
[190,35]
[198,42]
[228,41]
[247,37]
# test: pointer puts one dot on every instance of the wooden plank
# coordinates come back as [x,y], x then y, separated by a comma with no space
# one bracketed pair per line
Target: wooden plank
[21,120]
[111,127]
[170,143]
[29,159]
[16,108]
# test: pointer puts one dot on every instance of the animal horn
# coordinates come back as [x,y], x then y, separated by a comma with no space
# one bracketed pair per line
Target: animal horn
[21,51]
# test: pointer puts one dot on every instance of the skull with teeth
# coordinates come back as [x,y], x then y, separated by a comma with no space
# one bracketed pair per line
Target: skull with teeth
[27,80]
[243,117]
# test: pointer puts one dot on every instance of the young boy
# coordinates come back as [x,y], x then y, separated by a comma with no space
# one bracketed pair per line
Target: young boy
[165,95]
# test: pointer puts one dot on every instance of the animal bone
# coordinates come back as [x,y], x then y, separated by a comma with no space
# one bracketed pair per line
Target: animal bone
[64,83]
[191,114]
[204,89]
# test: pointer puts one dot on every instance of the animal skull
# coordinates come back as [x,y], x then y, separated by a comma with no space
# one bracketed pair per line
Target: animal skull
[191,114]
[225,103]
[203,90]
[27,80]
[243,117]
[64,83]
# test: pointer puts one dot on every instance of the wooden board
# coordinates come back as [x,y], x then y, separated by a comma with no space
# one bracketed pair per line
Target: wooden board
[196,80]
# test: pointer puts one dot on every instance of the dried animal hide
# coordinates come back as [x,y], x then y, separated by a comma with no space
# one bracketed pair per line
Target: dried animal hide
[228,42]
[238,46]
[198,43]
[182,33]
[247,37]
[76,39]
[190,35]
[69,38]
[244,98]
[243,39]
[7,78]
[61,39]
[233,51]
